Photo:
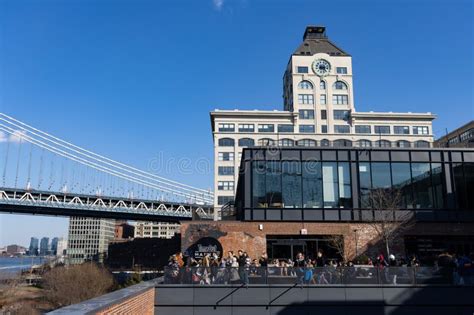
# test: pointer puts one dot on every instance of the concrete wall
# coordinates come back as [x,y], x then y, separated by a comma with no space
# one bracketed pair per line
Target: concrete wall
[283,300]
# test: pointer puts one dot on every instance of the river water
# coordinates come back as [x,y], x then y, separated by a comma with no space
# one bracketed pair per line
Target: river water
[10,266]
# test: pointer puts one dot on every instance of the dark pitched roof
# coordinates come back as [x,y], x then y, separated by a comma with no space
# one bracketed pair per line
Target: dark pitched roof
[315,41]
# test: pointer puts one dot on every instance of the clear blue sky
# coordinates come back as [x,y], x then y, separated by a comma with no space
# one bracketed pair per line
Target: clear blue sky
[131,79]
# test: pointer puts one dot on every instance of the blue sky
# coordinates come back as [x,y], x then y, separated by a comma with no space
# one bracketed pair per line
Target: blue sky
[134,80]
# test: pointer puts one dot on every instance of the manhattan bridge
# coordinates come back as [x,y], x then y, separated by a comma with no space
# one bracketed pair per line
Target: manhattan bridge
[43,174]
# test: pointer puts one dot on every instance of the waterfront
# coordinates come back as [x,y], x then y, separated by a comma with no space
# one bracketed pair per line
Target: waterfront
[10,266]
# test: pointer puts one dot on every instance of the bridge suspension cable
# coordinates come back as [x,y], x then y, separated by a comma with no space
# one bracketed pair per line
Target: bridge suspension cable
[102,159]
[95,166]
[107,166]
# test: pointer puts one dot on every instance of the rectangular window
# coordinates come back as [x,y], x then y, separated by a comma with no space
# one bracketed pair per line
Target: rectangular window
[382,129]
[305,99]
[307,128]
[362,129]
[401,130]
[341,129]
[336,185]
[306,114]
[266,128]
[225,185]
[312,185]
[420,130]
[291,184]
[340,99]
[341,70]
[226,156]
[246,127]
[286,128]
[324,114]
[222,200]
[226,170]
[302,69]
[324,128]
[453,140]
[466,135]
[226,127]
[341,114]
[322,99]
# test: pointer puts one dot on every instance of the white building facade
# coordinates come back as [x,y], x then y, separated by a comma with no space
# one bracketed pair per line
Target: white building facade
[144,229]
[88,239]
[318,103]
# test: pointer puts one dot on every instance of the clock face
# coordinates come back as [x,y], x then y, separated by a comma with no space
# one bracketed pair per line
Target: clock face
[321,67]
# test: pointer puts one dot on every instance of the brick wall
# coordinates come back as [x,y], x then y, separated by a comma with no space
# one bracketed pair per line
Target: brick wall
[143,303]
[136,299]
[235,235]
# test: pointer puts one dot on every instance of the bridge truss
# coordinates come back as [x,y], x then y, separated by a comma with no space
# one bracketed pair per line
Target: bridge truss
[49,203]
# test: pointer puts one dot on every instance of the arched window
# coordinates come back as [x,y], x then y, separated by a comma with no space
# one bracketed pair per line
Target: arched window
[286,143]
[342,143]
[305,85]
[266,142]
[383,144]
[324,143]
[246,142]
[363,143]
[403,144]
[422,144]
[306,143]
[339,85]
[322,85]
[226,142]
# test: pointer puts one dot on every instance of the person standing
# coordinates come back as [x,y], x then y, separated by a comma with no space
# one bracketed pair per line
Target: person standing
[300,267]
[263,264]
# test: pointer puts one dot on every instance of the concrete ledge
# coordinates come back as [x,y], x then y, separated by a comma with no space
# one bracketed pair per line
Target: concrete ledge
[109,303]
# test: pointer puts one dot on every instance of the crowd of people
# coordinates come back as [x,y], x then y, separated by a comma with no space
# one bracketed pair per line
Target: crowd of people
[239,268]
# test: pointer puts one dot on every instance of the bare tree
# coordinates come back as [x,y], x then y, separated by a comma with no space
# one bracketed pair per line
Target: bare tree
[337,242]
[389,221]
[73,284]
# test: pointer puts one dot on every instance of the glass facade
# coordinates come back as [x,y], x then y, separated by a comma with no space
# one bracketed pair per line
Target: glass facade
[339,182]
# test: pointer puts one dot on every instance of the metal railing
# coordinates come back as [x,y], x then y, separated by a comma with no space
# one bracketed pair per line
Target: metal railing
[318,276]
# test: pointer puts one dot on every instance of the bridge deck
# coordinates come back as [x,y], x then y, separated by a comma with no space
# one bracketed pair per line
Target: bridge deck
[64,204]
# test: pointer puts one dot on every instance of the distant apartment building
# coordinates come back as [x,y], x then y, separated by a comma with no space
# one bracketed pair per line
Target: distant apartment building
[33,249]
[88,239]
[462,137]
[54,245]
[155,229]
[61,247]
[44,248]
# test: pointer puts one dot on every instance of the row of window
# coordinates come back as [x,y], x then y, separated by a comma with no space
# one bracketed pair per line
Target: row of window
[247,142]
[225,185]
[228,127]
[337,115]
[463,137]
[306,85]
[222,200]
[337,99]
[398,130]
[339,70]
[312,184]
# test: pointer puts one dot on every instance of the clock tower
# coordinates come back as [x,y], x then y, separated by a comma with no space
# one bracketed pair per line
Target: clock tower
[317,84]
